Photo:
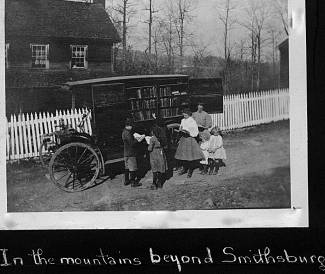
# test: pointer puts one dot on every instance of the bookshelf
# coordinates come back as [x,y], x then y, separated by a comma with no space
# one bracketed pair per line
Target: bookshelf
[164,100]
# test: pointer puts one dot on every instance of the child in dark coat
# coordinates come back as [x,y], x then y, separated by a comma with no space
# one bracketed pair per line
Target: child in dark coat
[130,160]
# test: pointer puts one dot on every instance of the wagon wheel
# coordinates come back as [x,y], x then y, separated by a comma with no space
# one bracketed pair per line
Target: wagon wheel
[74,167]
[45,156]
[101,161]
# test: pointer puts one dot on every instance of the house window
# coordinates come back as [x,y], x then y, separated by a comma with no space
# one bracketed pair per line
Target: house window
[6,55]
[79,57]
[40,56]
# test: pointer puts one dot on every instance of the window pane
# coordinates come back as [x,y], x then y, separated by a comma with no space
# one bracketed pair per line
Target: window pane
[39,56]
[78,56]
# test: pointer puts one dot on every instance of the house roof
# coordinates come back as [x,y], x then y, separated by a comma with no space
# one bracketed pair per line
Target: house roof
[60,19]
[123,78]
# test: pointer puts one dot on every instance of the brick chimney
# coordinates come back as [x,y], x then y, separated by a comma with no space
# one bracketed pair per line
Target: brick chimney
[102,2]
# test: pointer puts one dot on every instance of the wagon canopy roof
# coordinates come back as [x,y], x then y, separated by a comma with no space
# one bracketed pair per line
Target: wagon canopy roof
[122,79]
[59,19]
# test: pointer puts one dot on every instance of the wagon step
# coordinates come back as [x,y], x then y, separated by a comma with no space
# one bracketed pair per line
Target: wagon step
[113,161]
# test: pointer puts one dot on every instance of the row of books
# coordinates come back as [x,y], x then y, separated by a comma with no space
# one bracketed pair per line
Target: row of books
[143,115]
[146,92]
[165,91]
[147,114]
[142,104]
[150,92]
[143,108]
[170,102]
[170,112]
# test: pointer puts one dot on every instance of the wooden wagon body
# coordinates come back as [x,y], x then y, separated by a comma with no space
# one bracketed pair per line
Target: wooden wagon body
[142,98]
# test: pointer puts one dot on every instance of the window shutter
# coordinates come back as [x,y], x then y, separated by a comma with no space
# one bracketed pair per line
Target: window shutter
[47,49]
[86,57]
[70,62]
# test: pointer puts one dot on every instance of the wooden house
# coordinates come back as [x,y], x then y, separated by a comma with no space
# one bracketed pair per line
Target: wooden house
[49,42]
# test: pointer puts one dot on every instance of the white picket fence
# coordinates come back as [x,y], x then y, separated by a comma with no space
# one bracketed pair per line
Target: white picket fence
[250,109]
[243,110]
[25,130]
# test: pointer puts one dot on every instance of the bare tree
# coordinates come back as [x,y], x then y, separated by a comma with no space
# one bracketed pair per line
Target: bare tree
[241,50]
[258,14]
[152,11]
[183,15]
[121,13]
[168,34]
[200,53]
[281,10]
[226,18]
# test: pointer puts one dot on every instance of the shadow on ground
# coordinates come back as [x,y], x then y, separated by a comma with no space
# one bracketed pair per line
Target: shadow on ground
[257,176]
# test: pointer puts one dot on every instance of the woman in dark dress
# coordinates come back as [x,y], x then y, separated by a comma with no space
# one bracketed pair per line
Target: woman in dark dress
[188,150]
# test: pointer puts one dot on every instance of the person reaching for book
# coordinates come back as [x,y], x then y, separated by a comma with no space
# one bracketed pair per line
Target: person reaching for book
[188,150]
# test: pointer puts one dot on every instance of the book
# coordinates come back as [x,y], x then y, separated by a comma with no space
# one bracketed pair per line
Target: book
[148,138]
[138,137]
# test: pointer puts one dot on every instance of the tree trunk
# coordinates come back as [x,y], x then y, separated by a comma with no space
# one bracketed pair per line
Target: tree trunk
[252,59]
[124,37]
[258,82]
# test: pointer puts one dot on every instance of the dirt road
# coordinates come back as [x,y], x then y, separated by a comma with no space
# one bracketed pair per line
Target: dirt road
[257,176]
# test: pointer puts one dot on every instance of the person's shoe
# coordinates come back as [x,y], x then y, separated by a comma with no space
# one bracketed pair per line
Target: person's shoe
[212,165]
[160,180]
[190,173]
[182,172]
[211,170]
[204,170]
[154,187]
[136,184]
[126,178]
[154,181]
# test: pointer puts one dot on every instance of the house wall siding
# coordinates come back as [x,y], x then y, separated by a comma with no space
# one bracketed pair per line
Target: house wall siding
[60,52]
[284,64]
[19,59]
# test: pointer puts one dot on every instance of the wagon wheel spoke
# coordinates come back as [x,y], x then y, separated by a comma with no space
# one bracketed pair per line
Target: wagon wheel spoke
[67,181]
[62,165]
[60,169]
[87,159]
[63,159]
[65,174]
[82,154]
[88,163]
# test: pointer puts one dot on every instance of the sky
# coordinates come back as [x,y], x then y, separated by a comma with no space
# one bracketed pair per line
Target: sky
[205,25]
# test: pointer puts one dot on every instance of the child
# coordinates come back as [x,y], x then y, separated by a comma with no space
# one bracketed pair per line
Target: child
[130,159]
[205,144]
[216,150]
[158,160]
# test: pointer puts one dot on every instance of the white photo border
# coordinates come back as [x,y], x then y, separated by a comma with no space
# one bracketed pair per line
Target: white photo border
[296,216]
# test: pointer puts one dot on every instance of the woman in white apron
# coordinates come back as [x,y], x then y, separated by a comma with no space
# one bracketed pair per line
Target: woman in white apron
[188,150]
